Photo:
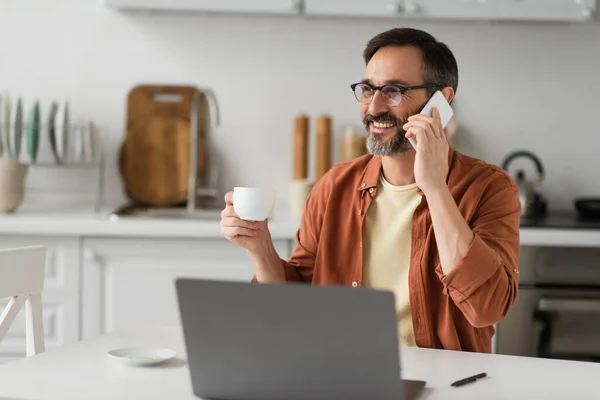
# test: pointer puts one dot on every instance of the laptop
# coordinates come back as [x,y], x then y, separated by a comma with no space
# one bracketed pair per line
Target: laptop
[249,341]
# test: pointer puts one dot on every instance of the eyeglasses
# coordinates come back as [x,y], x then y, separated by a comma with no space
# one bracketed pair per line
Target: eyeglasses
[392,94]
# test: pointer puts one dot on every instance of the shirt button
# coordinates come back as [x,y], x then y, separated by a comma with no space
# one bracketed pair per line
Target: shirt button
[359,212]
[516,271]
[364,184]
[354,284]
[360,244]
[371,190]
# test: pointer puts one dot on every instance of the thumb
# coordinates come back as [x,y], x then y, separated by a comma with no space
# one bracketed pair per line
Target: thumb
[229,199]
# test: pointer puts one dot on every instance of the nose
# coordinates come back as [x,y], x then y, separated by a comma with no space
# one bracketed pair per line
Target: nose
[378,104]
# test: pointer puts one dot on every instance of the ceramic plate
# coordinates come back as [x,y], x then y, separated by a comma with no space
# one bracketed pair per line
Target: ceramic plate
[52,130]
[8,128]
[141,356]
[33,132]
[59,134]
[18,139]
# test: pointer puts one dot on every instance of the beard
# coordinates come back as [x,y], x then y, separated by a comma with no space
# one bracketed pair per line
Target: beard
[377,145]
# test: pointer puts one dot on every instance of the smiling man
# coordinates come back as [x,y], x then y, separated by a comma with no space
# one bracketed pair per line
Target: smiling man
[434,226]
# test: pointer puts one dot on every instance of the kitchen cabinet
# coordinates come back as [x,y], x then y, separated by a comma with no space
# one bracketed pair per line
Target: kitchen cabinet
[129,283]
[372,8]
[558,10]
[60,299]
[253,6]
[452,9]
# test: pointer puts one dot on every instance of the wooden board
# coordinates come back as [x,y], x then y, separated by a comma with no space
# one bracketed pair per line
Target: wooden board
[155,155]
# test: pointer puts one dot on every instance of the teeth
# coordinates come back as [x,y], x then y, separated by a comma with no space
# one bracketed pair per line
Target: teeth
[382,124]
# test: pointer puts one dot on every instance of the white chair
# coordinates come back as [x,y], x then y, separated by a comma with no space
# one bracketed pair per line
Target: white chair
[22,272]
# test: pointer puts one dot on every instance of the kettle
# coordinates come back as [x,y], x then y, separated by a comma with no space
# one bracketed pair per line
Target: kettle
[533,203]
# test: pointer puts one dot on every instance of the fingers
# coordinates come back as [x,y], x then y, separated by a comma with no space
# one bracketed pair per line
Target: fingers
[229,212]
[431,124]
[419,132]
[234,221]
[231,233]
[421,125]
[437,119]
[229,199]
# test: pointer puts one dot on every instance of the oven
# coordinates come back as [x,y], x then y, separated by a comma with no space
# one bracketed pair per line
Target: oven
[557,310]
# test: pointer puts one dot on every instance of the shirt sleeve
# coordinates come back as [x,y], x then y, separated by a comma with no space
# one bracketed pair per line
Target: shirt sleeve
[484,283]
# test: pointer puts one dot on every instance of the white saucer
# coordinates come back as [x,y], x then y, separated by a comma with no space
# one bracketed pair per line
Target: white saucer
[141,356]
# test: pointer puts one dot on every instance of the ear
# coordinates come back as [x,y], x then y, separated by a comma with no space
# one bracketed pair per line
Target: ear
[448,93]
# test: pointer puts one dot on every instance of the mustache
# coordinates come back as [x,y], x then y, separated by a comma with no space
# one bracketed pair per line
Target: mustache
[383,117]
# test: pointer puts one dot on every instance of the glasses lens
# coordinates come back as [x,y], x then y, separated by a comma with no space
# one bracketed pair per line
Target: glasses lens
[392,95]
[363,93]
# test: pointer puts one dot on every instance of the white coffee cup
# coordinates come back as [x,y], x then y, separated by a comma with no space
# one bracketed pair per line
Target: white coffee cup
[253,204]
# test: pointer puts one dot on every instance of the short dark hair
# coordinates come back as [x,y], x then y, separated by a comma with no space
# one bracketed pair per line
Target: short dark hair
[439,64]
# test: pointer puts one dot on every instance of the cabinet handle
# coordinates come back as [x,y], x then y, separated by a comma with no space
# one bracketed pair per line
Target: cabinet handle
[411,8]
[572,305]
[296,5]
[586,11]
[92,256]
[395,6]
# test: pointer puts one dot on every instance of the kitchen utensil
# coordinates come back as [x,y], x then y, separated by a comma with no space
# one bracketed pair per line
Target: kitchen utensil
[300,185]
[33,132]
[323,146]
[300,170]
[588,208]
[155,156]
[533,203]
[141,356]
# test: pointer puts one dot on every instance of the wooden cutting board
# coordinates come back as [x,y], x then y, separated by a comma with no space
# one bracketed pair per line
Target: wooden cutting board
[154,160]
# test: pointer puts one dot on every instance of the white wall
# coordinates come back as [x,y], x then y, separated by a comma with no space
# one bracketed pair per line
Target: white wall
[531,86]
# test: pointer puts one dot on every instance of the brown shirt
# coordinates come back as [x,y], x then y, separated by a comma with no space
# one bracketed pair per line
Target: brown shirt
[456,311]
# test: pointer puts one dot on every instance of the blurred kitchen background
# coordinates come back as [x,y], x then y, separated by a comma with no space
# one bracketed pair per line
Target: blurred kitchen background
[523,84]
[528,81]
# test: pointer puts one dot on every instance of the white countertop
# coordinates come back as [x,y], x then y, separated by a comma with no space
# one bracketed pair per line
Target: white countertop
[83,371]
[88,223]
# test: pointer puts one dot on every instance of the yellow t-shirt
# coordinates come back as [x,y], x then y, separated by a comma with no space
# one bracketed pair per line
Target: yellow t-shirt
[387,247]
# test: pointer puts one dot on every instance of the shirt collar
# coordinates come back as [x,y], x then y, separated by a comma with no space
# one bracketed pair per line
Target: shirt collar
[370,177]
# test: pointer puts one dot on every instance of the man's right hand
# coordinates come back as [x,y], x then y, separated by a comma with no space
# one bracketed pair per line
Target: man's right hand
[255,237]
[236,230]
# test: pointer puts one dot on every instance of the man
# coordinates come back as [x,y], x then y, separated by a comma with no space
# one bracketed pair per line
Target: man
[438,228]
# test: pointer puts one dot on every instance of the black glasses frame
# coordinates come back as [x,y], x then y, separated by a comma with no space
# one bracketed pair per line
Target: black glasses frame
[401,89]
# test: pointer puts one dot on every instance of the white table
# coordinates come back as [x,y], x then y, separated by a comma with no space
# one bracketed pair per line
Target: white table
[83,371]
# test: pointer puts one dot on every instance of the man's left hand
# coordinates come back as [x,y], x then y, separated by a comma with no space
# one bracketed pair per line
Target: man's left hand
[431,161]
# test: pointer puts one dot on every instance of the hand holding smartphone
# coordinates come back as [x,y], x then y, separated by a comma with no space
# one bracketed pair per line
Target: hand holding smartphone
[438,101]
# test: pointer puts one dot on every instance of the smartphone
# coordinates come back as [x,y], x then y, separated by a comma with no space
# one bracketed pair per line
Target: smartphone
[439,101]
